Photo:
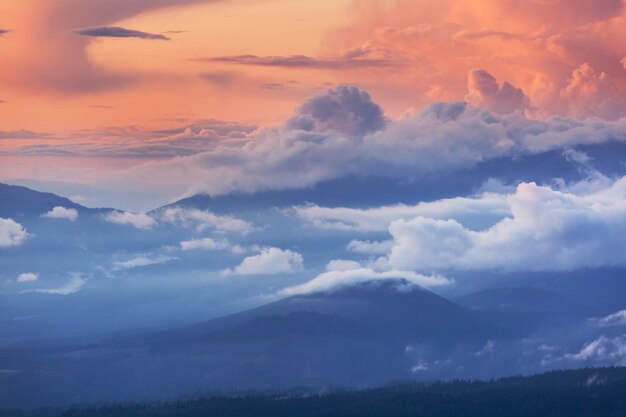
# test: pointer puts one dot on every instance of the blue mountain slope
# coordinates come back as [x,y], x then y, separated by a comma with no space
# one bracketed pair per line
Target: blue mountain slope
[363,192]
[19,202]
[361,336]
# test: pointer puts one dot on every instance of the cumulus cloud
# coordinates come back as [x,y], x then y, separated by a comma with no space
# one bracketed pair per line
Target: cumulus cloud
[204,219]
[27,277]
[269,261]
[589,93]
[11,233]
[341,274]
[343,109]
[137,220]
[547,230]
[117,32]
[59,212]
[484,91]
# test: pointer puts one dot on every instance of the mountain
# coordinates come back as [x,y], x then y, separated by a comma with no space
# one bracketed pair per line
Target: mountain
[373,191]
[361,336]
[136,200]
[20,202]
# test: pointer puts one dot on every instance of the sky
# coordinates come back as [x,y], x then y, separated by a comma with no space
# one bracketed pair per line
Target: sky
[458,145]
[119,94]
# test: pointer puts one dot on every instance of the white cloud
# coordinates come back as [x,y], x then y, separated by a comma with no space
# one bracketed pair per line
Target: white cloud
[269,261]
[27,277]
[594,180]
[62,213]
[490,347]
[341,274]
[11,233]
[203,219]
[137,220]
[476,213]
[366,247]
[603,349]
[75,284]
[615,319]
[139,261]
[342,265]
[547,230]
[205,243]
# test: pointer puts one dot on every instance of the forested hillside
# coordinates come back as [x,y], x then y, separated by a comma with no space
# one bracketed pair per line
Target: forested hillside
[586,392]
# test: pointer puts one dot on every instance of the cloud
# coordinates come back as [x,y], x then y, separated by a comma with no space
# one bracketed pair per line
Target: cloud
[342,132]
[370,248]
[27,277]
[138,220]
[490,347]
[11,233]
[485,92]
[615,319]
[204,243]
[220,79]
[589,93]
[59,212]
[534,45]
[342,274]
[66,67]
[477,213]
[352,59]
[601,350]
[336,134]
[138,143]
[139,261]
[117,32]
[203,220]
[76,283]
[269,261]
[4,32]
[23,134]
[343,109]
[273,86]
[342,265]
[547,230]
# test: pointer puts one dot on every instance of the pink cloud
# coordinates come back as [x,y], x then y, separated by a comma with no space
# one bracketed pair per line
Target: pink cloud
[47,55]
[589,93]
[484,91]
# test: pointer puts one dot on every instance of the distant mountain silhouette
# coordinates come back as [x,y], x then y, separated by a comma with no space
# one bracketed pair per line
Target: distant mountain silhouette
[358,337]
[20,202]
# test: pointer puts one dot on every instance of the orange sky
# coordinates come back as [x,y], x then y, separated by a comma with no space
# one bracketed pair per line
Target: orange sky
[253,61]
